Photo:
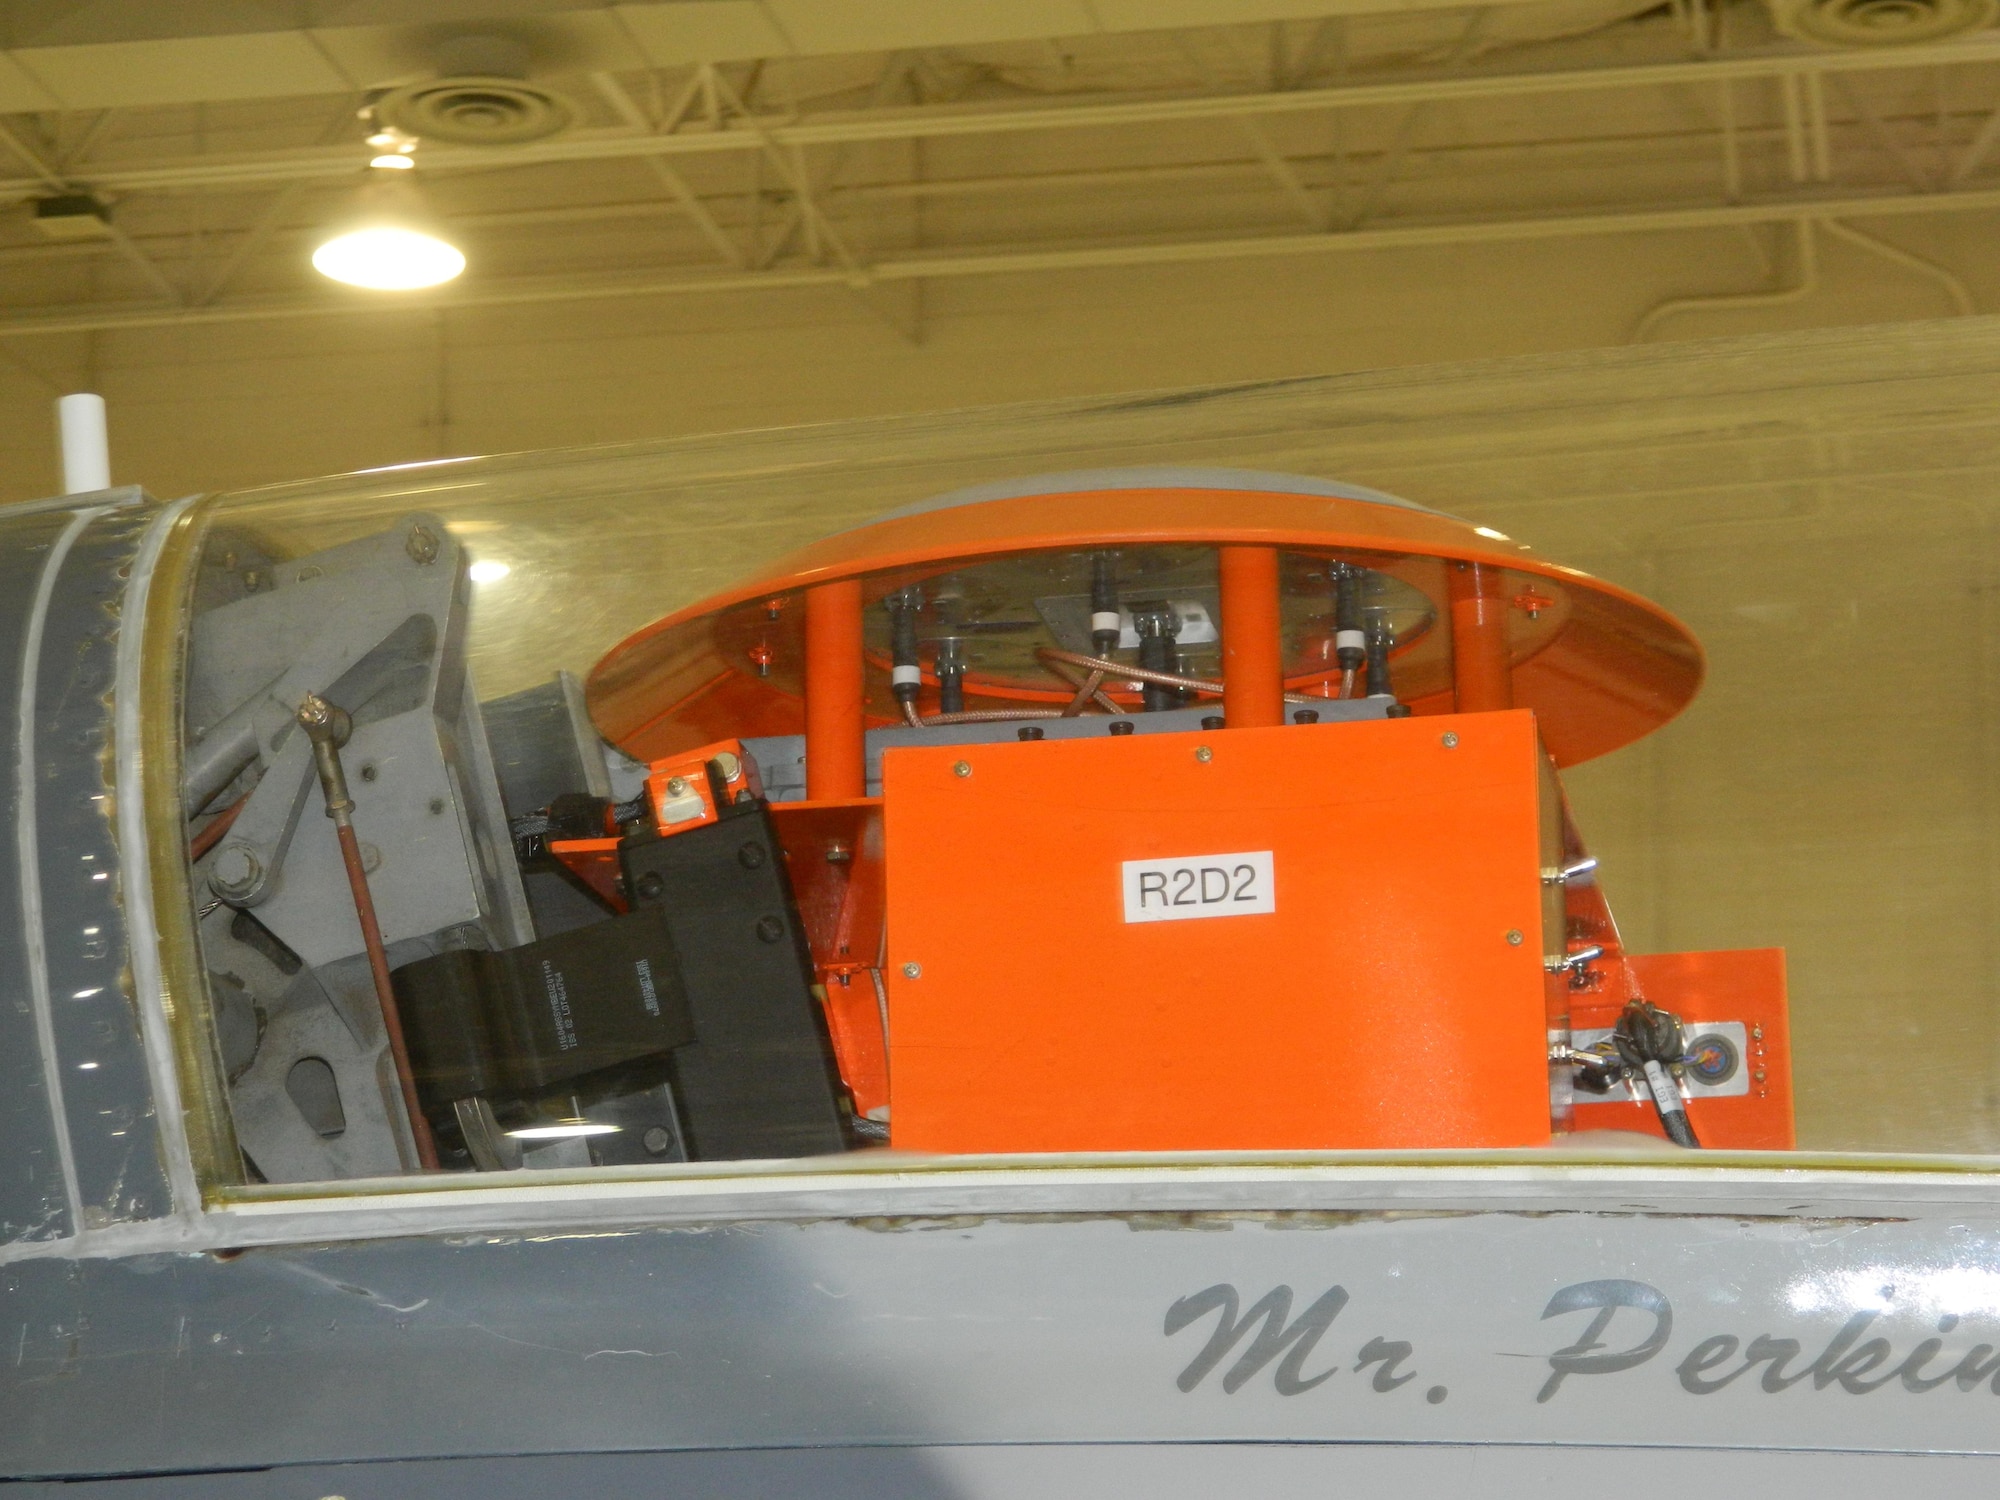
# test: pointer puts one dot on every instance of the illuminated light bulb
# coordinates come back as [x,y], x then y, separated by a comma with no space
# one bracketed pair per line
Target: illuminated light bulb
[389,242]
[488,570]
[393,162]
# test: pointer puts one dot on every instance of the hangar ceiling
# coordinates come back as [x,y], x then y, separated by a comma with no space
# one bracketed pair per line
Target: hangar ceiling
[873,146]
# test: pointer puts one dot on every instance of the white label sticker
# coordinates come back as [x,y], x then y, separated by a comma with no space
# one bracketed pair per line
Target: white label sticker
[1207,885]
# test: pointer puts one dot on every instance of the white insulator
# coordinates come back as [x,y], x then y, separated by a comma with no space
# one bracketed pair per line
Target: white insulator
[1350,640]
[906,676]
[1106,619]
[86,449]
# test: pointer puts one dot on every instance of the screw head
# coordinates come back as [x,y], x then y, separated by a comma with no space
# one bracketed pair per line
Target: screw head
[1203,754]
[837,853]
[913,971]
[650,885]
[656,1140]
[962,768]
[422,545]
[1513,937]
[751,856]
[677,786]
[1448,740]
[769,929]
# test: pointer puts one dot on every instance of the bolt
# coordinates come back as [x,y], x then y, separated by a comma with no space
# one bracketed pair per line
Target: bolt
[751,856]
[837,853]
[650,886]
[963,768]
[1028,732]
[728,766]
[1203,754]
[236,870]
[422,545]
[1513,937]
[1211,721]
[677,786]
[912,971]
[1757,1033]
[437,807]
[769,929]
[1121,726]
[369,772]
[656,1140]
[1758,1075]
[1305,716]
[1448,740]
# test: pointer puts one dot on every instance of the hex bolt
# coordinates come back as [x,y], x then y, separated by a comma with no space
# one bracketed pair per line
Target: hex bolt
[650,885]
[728,766]
[769,929]
[236,870]
[1211,721]
[751,856]
[1305,716]
[422,545]
[1120,726]
[1513,937]
[913,971]
[656,1140]
[1448,740]
[1203,754]
[1029,732]
[963,768]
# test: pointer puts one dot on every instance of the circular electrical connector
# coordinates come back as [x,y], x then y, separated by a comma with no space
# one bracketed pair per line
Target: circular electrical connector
[1712,1059]
[1881,23]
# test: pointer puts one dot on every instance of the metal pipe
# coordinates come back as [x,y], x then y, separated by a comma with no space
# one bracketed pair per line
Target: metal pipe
[1481,675]
[328,728]
[1124,671]
[836,760]
[1253,674]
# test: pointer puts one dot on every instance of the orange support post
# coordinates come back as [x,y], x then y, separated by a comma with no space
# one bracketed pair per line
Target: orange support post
[836,760]
[1481,675]
[1253,686]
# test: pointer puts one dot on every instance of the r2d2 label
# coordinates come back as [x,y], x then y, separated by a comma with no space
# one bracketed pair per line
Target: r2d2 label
[1206,885]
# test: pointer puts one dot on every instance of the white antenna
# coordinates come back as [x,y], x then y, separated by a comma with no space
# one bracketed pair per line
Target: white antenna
[86,449]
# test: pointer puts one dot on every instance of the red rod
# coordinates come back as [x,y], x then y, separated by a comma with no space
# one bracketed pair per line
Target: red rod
[836,760]
[1481,675]
[1253,673]
[385,991]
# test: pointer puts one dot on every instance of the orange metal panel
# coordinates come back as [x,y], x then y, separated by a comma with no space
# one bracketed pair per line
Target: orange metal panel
[1393,996]
[1746,985]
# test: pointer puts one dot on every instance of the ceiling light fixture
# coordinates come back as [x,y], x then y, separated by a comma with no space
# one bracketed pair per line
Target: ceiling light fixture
[390,242]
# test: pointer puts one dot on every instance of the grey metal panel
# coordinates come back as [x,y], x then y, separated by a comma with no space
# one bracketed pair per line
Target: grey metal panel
[1473,1328]
[34,1203]
[1167,1471]
[106,1085]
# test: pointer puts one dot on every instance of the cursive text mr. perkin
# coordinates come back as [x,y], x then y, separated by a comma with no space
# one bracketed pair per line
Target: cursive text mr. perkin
[1850,1359]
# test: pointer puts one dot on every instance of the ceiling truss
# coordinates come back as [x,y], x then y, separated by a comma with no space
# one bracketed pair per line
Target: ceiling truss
[1784,137]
